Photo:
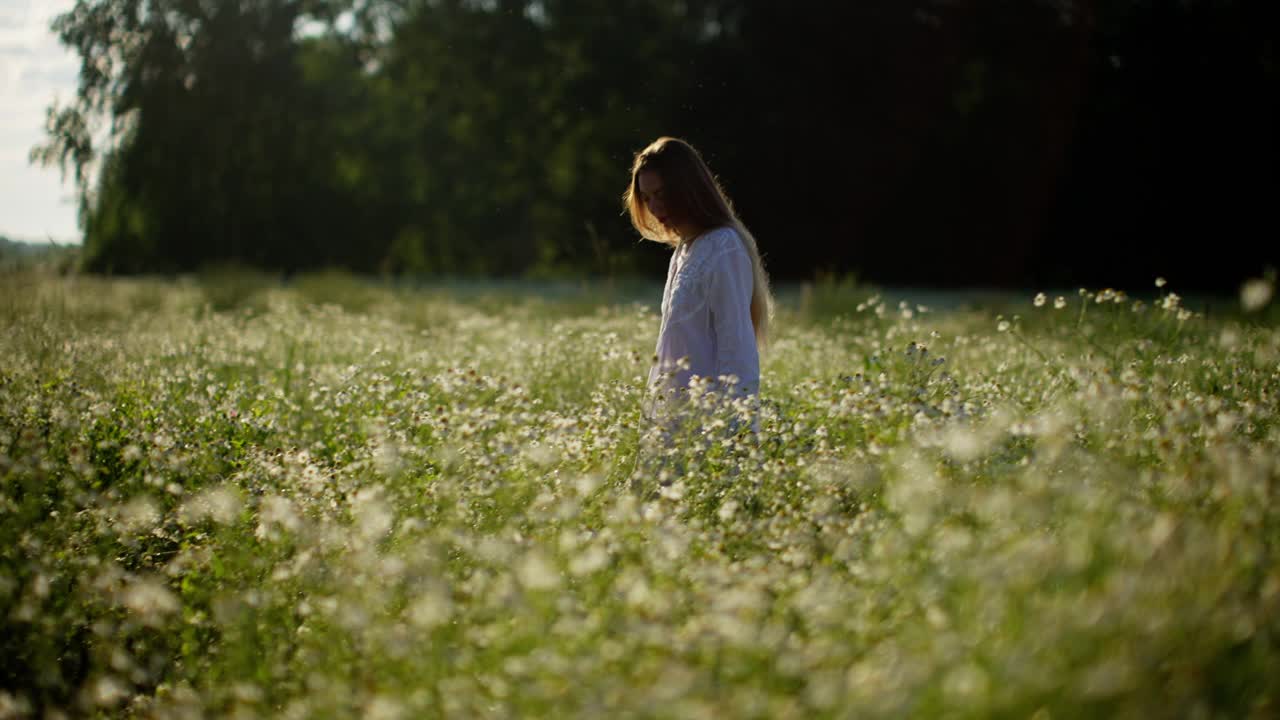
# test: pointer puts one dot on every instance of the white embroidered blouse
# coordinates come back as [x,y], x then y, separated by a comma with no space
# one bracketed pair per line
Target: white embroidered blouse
[706,317]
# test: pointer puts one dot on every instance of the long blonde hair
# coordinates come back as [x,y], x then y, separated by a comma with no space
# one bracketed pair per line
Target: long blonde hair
[696,197]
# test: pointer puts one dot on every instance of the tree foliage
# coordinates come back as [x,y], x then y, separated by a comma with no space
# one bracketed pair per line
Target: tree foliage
[493,136]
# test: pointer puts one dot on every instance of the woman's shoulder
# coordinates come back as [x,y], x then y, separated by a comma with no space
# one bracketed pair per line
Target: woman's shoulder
[718,240]
[725,232]
[711,250]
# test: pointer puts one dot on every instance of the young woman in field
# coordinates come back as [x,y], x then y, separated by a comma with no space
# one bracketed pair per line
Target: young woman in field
[716,304]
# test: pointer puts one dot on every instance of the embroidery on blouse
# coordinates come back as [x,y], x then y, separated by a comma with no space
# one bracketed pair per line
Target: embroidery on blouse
[689,286]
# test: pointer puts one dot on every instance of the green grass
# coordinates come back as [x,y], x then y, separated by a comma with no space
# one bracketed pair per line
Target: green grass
[336,499]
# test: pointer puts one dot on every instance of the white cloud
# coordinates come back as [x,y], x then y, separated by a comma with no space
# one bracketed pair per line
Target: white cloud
[35,69]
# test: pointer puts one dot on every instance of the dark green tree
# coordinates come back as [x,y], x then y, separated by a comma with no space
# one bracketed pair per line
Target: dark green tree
[933,141]
[208,154]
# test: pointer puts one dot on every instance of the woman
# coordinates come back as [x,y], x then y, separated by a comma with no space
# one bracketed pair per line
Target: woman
[716,304]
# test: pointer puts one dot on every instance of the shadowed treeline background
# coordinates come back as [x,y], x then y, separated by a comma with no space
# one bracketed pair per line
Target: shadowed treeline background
[953,143]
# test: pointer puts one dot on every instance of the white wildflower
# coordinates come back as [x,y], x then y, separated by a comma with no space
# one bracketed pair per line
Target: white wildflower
[373,515]
[276,513]
[1256,294]
[106,691]
[138,514]
[963,444]
[536,572]
[966,684]
[150,600]
[384,708]
[588,561]
[13,707]
[220,504]
[430,609]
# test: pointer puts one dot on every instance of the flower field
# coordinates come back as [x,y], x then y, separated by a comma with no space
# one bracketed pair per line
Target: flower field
[222,497]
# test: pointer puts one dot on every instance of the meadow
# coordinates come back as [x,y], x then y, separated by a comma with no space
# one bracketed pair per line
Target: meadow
[224,497]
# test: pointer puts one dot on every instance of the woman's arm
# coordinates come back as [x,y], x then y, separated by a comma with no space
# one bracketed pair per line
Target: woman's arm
[729,295]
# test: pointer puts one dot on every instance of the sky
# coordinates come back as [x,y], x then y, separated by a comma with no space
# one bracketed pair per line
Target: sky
[35,69]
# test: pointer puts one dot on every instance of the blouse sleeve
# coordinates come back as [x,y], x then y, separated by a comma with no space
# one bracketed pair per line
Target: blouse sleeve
[729,294]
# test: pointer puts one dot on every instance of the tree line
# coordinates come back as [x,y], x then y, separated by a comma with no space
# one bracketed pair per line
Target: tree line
[948,142]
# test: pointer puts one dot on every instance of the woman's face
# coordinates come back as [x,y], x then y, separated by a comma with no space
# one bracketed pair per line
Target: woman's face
[652,194]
